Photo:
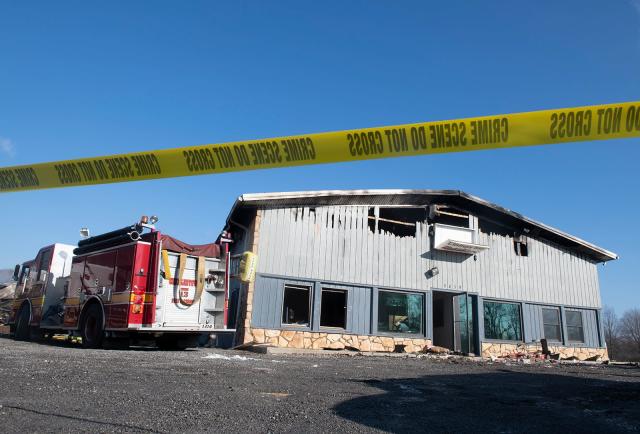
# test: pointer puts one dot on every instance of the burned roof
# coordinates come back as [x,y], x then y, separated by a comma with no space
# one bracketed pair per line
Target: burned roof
[456,198]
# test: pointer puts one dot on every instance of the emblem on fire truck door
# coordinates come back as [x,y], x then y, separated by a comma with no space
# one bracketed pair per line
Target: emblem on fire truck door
[184,295]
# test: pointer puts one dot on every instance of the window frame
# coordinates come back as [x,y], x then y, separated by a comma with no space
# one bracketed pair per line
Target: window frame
[423,327]
[484,331]
[47,253]
[559,324]
[309,288]
[346,308]
[24,274]
[581,327]
[521,248]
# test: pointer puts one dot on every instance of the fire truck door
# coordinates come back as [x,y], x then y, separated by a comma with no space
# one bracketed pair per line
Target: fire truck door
[39,285]
[24,279]
[181,307]
[72,299]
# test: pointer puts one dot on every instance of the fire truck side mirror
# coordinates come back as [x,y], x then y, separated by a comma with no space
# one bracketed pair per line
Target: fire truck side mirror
[16,272]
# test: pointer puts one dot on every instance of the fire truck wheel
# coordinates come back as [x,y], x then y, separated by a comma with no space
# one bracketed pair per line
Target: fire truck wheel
[91,328]
[23,332]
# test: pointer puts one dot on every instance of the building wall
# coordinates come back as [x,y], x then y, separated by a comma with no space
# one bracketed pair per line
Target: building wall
[362,313]
[534,331]
[244,292]
[334,243]
[361,304]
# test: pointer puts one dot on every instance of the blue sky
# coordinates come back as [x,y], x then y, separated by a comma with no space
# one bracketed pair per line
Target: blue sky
[84,78]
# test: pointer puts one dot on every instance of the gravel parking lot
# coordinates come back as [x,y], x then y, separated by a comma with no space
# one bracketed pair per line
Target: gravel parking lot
[63,388]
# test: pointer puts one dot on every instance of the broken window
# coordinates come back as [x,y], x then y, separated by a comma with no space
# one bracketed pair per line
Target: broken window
[296,305]
[448,216]
[575,331]
[333,309]
[371,216]
[520,246]
[551,322]
[400,221]
[400,312]
[490,227]
[502,321]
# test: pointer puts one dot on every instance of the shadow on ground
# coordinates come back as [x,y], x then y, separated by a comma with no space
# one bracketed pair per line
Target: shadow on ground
[504,401]
[107,345]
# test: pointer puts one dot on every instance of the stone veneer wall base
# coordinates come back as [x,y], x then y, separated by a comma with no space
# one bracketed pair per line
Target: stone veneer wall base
[336,341]
[490,349]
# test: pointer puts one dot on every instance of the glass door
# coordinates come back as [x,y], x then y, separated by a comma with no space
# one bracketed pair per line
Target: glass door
[464,306]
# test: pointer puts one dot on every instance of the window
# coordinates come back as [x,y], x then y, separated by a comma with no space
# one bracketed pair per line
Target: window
[44,265]
[333,309]
[24,275]
[45,261]
[296,305]
[502,321]
[521,248]
[551,322]
[448,216]
[575,331]
[400,222]
[400,312]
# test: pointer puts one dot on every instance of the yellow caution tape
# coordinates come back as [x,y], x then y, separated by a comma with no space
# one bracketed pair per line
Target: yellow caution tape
[600,122]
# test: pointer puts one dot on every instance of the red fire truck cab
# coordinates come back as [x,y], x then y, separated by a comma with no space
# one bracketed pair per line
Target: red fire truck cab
[131,283]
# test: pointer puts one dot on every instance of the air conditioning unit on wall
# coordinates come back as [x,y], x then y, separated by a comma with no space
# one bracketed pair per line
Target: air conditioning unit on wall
[456,239]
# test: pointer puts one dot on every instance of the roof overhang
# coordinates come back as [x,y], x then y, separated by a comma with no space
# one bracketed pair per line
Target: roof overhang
[465,201]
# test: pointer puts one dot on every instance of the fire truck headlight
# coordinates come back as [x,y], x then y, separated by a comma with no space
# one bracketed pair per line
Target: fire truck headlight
[153,219]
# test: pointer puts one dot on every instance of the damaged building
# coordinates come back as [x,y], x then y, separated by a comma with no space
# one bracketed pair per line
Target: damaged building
[404,270]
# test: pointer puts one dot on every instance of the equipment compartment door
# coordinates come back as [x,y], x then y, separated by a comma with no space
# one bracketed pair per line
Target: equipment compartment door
[181,300]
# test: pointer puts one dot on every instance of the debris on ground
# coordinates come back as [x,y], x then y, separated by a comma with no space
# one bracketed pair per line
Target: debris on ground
[434,349]
[179,391]
[224,357]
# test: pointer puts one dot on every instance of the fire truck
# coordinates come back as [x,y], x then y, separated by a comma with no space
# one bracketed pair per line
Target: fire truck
[131,284]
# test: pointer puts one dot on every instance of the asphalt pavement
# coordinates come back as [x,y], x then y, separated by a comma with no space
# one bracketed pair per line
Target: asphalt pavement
[64,388]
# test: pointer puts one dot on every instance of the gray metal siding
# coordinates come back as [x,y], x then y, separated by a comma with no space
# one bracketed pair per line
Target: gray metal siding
[590,326]
[532,321]
[334,243]
[358,307]
[359,311]
[534,326]
[429,315]
[268,298]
